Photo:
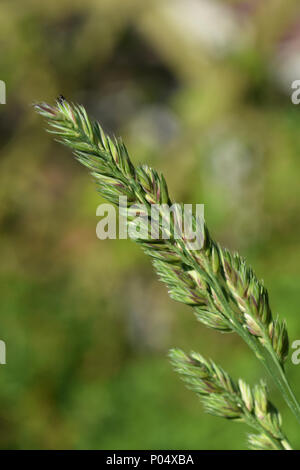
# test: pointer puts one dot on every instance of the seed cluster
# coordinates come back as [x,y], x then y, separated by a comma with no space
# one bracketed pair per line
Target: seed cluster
[223,291]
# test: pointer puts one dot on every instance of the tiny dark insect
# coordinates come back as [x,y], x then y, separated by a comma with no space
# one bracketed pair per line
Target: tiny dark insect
[61,99]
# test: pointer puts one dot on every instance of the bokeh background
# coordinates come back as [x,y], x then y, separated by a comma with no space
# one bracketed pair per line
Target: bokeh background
[199,89]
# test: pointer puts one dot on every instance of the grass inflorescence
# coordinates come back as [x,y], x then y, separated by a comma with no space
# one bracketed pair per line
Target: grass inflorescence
[223,291]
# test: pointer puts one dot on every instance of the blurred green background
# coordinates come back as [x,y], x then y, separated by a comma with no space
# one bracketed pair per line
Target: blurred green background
[201,91]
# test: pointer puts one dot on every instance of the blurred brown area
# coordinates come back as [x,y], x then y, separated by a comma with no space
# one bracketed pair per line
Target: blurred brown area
[200,90]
